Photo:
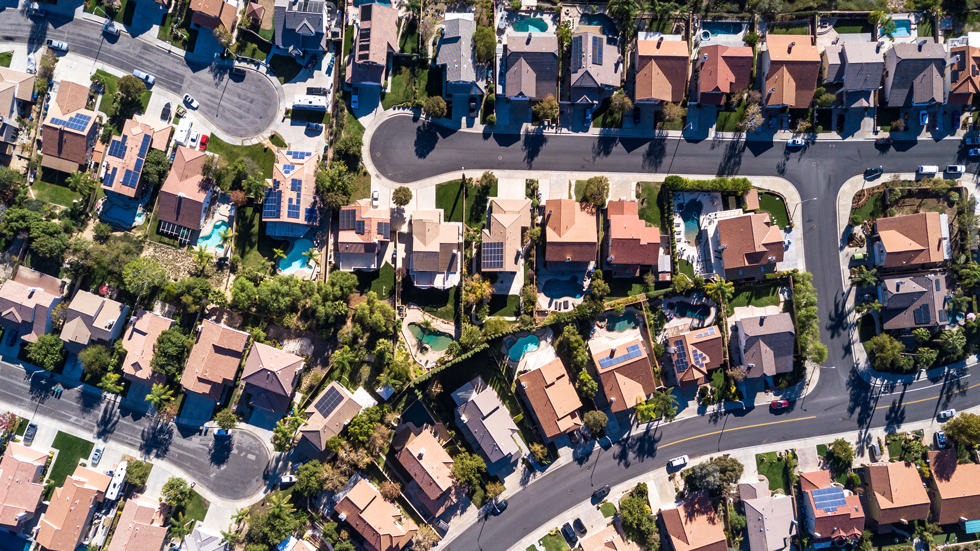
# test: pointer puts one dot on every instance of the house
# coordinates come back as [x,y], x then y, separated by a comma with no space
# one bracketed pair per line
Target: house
[751,245]
[455,55]
[955,489]
[607,539]
[915,74]
[430,469]
[21,485]
[435,256]
[767,344]
[596,69]
[375,38]
[833,516]
[379,522]
[770,519]
[16,98]
[26,302]
[140,342]
[897,495]
[624,369]
[69,131]
[300,25]
[140,527]
[488,426]
[552,398]
[964,74]
[270,376]
[202,540]
[212,14]
[325,418]
[70,510]
[124,159]
[502,237]
[662,67]
[858,67]
[296,169]
[694,526]
[532,67]
[919,240]
[214,360]
[363,237]
[633,246]
[185,198]
[571,236]
[910,302]
[694,353]
[92,319]
[790,65]
[723,70]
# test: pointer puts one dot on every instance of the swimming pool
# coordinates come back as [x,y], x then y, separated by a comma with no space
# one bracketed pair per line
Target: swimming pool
[720,28]
[294,256]
[531,25]
[359,3]
[563,288]
[212,241]
[435,340]
[690,213]
[525,344]
[619,323]
[694,311]
[121,213]
[903,28]
[598,20]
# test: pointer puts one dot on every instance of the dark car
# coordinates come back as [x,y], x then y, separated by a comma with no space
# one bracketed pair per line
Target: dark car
[600,494]
[574,438]
[579,526]
[29,434]
[316,91]
[871,172]
[883,141]
[636,115]
[474,110]
[569,534]
[237,71]
[165,115]
[311,63]
[499,506]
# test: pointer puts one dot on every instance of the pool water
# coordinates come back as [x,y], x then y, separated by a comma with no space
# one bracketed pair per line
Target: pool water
[528,343]
[212,241]
[294,256]
[721,28]
[903,28]
[620,323]
[690,213]
[563,288]
[359,3]
[694,311]
[435,340]
[121,212]
[598,20]
[531,25]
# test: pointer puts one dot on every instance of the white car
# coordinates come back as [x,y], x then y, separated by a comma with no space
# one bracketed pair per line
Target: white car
[191,102]
[947,414]
[928,169]
[58,45]
[97,454]
[955,169]
[192,140]
[796,142]
[678,462]
[110,28]
[924,118]
[375,198]
[287,479]
[145,77]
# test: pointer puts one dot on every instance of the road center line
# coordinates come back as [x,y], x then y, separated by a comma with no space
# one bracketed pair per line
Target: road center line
[901,403]
[737,429]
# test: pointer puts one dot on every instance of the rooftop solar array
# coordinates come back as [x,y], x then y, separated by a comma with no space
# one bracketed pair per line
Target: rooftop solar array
[384,229]
[272,204]
[829,499]
[707,333]
[286,169]
[77,121]
[493,256]
[299,155]
[110,178]
[359,227]
[145,146]
[117,148]
[312,214]
[680,357]
[576,53]
[347,217]
[130,178]
[632,351]
[597,49]
[296,185]
[922,315]
[329,401]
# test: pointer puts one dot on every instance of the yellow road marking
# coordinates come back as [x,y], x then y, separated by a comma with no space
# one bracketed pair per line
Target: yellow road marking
[928,399]
[738,429]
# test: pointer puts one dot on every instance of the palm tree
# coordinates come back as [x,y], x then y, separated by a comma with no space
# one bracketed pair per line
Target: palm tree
[240,516]
[82,183]
[863,277]
[227,235]
[279,253]
[720,290]
[180,528]
[228,537]
[665,403]
[159,396]
[624,11]
[312,256]
[202,256]
[279,504]
[110,383]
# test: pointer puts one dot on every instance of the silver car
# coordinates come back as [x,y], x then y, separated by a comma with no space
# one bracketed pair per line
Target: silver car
[145,77]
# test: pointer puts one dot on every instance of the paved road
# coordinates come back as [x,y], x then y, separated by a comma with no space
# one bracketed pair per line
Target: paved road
[241,108]
[233,470]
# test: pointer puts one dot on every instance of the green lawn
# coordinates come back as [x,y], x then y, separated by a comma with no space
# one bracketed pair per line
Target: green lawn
[348,40]
[822,450]
[5,58]
[622,287]
[685,267]
[196,508]
[774,205]
[285,67]
[450,200]
[71,449]
[677,124]
[185,37]
[605,118]
[774,469]
[925,27]
[505,305]
[440,304]
[259,153]
[277,140]
[608,509]
[156,237]
[251,243]
[727,121]
[648,194]
[107,105]
[409,41]
[790,28]
[853,26]
[247,45]
[50,188]
[894,448]
[380,281]
[553,542]
[766,294]
[873,208]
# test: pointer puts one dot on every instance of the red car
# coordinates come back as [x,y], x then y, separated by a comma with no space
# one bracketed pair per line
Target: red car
[204,142]
[780,404]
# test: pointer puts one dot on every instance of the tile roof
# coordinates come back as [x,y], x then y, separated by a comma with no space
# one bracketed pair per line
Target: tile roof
[435,244]
[427,462]
[67,516]
[687,347]
[532,66]
[662,68]
[552,398]
[506,220]
[290,195]
[185,190]
[20,485]
[214,359]
[127,152]
[23,83]
[26,301]
[140,527]
[91,317]
[863,65]
[607,539]
[571,234]
[380,523]
[139,341]
[15,88]
[363,228]
[831,522]
[913,301]
[793,69]
[255,11]
[328,415]
[964,74]
[202,540]
[918,75]
[624,369]
[595,66]
[482,414]
[724,69]
[631,240]
[911,240]
[69,142]
[300,24]
[376,37]
[957,488]
[270,376]
[768,343]
[750,240]
[456,50]
[212,13]
[897,489]
[770,521]
[694,526]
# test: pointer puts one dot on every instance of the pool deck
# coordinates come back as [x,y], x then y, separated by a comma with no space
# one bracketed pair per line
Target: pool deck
[224,211]
[534,359]
[689,323]
[510,17]
[414,314]
[698,256]
[601,330]
[737,39]
[563,304]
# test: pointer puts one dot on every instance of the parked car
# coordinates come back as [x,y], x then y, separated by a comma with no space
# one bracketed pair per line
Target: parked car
[330,66]
[883,141]
[474,110]
[873,171]
[678,462]
[36,12]
[165,114]
[97,454]
[353,98]
[947,414]
[311,63]
[314,126]
[499,506]
[859,257]
[237,71]
[600,494]
[779,404]
[316,90]
[929,169]
[145,77]
[375,198]
[588,115]
[972,140]
[955,169]
[924,118]
[109,28]
[579,526]
[287,479]
[569,534]
[191,102]
[29,434]
[204,142]
[974,152]
[796,142]
[940,438]
[573,437]
[874,450]
[57,45]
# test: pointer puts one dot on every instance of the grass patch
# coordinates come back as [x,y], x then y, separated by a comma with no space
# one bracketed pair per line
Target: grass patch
[285,67]
[622,287]
[766,294]
[381,281]
[873,208]
[853,26]
[157,237]
[789,28]
[505,305]
[348,40]
[894,448]
[196,508]
[605,118]
[450,199]
[649,195]
[686,268]
[409,41]
[774,469]
[925,27]
[262,155]
[441,304]
[676,124]
[181,36]
[554,542]
[774,205]
[108,103]
[277,140]
[51,188]
[251,242]
[822,450]
[71,450]
[608,509]
[247,45]
[411,81]
[727,121]
[6,58]
[22,426]
[362,187]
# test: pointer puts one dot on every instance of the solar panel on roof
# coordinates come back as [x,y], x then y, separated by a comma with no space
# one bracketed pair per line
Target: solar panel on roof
[286,169]
[275,184]
[311,215]
[110,177]
[292,210]
[130,178]
[145,145]
[632,351]
[829,499]
[79,121]
[576,53]
[384,230]
[138,165]
[329,401]
[56,120]
[117,148]
[921,315]
[493,256]
[272,204]
[597,50]
[347,217]
[296,185]
[359,227]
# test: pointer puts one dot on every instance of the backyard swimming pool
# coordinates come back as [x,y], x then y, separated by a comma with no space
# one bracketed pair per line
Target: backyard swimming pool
[619,323]
[903,28]
[563,288]
[294,256]
[531,25]
[212,241]
[687,310]
[121,213]
[435,340]
[720,28]
[690,213]
[598,20]
[525,344]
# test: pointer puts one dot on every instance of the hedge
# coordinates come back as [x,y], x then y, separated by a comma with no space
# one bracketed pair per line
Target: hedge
[732,185]
[421,379]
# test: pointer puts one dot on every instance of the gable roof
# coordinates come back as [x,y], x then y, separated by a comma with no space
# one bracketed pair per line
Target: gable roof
[662,67]
[501,247]
[380,523]
[202,540]
[532,66]
[694,353]
[185,190]
[750,240]
[724,69]
[793,69]
[20,484]
[271,375]
[913,301]
[26,301]
[770,342]
[553,399]
[67,516]
[595,66]
[140,527]
[290,195]
[694,526]
[67,126]
[363,227]
[957,487]
[482,414]
[570,233]
[328,415]
[770,521]
[832,521]
[918,77]
[375,37]
[964,74]
[215,12]
[140,343]
[607,539]
[898,491]
[23,83]
[456,50]
[863,65]
[631,240]
[435,244]
[300,24]
[912,239]
[91,317]
[624,369]
[214,359]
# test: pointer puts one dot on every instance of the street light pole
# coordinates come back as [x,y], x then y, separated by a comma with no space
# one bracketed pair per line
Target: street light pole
[798,203]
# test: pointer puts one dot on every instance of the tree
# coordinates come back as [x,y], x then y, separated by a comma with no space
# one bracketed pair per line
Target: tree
[540,453]
[863,277]
[752,118]
[401,196]
[335,185]
[82,183]
[9,422]
[11,182]
[169,352]
[484,44]
[546,109]
[202,257]
[222,36]
[424,540]
[921,334]
[468,468]
[965,428]
[309,478]
[802,126]
[494,489]
[672,112]
[110,383]
[624,12]
[47,352]
[477,290]
[284,434]
[887,352]
[681,284]
[620,103]
[176,492]
[716,476]
[143,275]
[137,472]
[595,421]
[587,386]
[751,38]
[637,518]
[665,403]
[952,342]
[840,453]
[434,107]
[825,100]
[564,33]
[390,490]
[596,191]
[130,88]
[719,290]
[180,528]
[226,419]
[159,396]
[925,357]
[96,360]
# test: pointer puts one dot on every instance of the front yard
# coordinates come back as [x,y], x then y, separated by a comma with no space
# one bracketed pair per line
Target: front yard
[450,199]
[180,35]
[71,450]
[649,197]
[775,470]
[774,205]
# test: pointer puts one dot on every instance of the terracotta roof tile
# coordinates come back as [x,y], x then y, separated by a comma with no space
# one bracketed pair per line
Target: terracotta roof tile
[957,488]
[185,190]
[724,69]
[214,359]
[836,523]
[768,343]
[626,382]
[607,539]
[328,415]
[427,462]
[571,234]
[67,517]
[897,489]
[631,241]
[20,485]
[694,526]
[749,241]
[139,341]
[552,398]
[662,68]
[687,347]
[140,527]
[380,523]
[911,240]
[793,70]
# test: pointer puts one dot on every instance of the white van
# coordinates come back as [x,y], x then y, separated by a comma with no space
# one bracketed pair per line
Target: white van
[928,169]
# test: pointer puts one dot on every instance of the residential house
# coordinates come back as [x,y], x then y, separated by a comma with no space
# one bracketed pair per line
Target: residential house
[430,469]
[363,237]
[915,74]
[212,14]
[202,540]
[21,485]
[502,242]
[16,98]
[379,522]
[214,360]
[858,67]
[624,369]
[124,159]
[767,344]
[532,68]
[571,236]
[833,516]
[374,39]
[694,353]
[770,519]
[460,80]
[70,510]
[26,302]
[607,539]
[919,240]
[270,376]
[751,245]
[488,426]
[140,341]
[633,246]
[185,198]
[964,64]
[92,319]
[300,25]
[955,489]
[897,495]
[69,130]
[140,527]
[662,67]
[723,70]
[790,66]
[910,302]
[435,257]
[296,169]
[694,526]
[596,69]
[325,418]
[552,399]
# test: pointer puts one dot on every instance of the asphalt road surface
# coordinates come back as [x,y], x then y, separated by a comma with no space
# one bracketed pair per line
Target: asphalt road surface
[239,107]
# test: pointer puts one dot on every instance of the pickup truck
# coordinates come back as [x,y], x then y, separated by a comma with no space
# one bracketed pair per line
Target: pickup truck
[57,45]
